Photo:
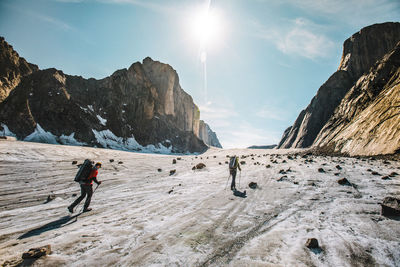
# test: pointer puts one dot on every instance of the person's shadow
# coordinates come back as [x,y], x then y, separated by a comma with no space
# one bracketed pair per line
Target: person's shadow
[237,193]
[64,221]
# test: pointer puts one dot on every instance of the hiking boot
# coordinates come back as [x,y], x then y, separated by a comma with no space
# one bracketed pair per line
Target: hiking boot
[86,210]
[71,209]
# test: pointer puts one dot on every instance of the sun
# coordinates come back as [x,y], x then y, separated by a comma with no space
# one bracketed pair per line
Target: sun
[206,27]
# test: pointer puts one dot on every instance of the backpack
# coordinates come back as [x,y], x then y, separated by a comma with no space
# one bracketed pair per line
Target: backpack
[84,171]
[232,163]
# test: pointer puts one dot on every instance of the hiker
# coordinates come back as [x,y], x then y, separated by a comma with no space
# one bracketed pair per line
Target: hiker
[233,165]
[87,189]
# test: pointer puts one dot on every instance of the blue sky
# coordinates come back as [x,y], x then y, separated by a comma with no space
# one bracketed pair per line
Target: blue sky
[265,62]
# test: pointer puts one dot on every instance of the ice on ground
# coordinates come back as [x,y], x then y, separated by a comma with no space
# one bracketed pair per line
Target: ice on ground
[70,140]
[142,216]
[108,139]
[41,136]
[6,131]
[101,120]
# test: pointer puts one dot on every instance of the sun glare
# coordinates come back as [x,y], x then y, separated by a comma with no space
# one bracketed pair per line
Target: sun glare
[206,27]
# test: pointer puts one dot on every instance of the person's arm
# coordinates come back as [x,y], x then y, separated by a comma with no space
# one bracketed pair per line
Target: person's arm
[94,176]
[95,180]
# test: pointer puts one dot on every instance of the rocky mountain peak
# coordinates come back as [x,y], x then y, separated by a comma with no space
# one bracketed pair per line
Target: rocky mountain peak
[139,108]
[12,68]
[364,48]
[360,53]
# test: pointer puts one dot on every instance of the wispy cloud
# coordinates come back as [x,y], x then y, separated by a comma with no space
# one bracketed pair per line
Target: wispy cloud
[301,38]
[272,113]
[164,7]
[352,12]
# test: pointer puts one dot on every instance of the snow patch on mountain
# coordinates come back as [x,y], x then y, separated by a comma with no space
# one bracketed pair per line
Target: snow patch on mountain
[101,120]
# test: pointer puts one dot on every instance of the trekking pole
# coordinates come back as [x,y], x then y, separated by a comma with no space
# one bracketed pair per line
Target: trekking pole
[240,177]
[227,181]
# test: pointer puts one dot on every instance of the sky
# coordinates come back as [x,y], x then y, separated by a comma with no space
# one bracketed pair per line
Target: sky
[250,65]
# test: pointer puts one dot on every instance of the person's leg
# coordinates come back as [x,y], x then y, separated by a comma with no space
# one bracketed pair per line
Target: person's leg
[89,192]
[233,184]
[79,199]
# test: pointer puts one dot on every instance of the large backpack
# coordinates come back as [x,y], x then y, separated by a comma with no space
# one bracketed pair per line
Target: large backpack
[84,171]
[232,163]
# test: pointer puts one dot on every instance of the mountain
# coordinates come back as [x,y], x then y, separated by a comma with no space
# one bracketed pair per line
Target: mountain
[360,55]
[367,121]
[141,108]
[12,69]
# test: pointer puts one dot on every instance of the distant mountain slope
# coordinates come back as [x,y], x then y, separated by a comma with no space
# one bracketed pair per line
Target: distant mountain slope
[140,108]
[360,53]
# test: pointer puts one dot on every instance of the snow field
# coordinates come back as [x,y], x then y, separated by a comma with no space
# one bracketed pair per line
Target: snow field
[136,221]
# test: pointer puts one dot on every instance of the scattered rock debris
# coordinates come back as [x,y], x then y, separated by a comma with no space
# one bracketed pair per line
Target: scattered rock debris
[312,243]
[35,253]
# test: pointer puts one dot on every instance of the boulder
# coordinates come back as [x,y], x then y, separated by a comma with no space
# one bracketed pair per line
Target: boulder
[174,161]
[390,206]
[312,243]
[74,162]
[200,166]
[344,181]
[253,185]
[35,253]
[172,172]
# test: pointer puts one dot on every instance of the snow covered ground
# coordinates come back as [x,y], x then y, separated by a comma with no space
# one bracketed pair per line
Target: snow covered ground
[138,221]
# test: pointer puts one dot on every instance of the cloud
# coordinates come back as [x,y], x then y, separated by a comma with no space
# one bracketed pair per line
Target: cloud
[272,113]
[301,38]
[352,12]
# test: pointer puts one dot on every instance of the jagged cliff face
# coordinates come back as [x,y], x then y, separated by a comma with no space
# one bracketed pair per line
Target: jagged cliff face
[12,69]
[367,121]
[360,53]
[207,135]
[140,108]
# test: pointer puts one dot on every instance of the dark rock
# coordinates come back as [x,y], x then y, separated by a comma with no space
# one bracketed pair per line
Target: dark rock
[312,243]
[321,170]
[111,160]
[179,158]
[338,167]
[74,194]
[337,174]
[391,206]
[145,98]
[243,162]
[200,166]
[268,166]
[35,253]
[174,161]
[253,185]
[170,191]
[120,162]
[193,168]
[344,181]
[375,173]
[226,162]
[50,198]
[74,162]
[282,171]
[385,178]
[159,170]
[393,174]
[219,163]
[319,125]
[283,178]
[172,172]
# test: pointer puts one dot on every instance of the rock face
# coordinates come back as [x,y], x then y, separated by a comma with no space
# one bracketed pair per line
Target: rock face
[360,53]
[140,108]
[12,69]
[207,135]
[367,121]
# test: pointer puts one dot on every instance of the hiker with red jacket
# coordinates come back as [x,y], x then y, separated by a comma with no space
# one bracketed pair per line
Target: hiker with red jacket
[87,189]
